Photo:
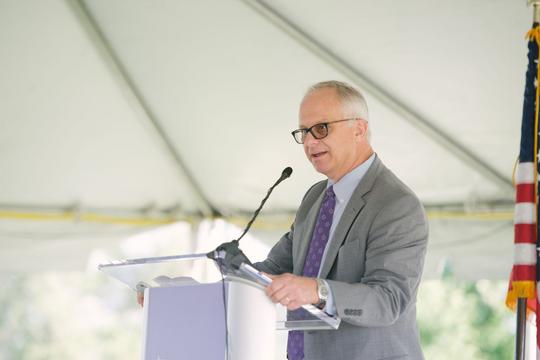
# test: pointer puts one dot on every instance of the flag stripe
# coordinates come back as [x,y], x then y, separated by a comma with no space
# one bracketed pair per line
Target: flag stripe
[525,272]
[525,173]
[524,254]
[525,193]
[525,213]
[525,233]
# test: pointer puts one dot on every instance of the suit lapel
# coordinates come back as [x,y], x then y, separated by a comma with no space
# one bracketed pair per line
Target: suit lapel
[305,233]
[352,210]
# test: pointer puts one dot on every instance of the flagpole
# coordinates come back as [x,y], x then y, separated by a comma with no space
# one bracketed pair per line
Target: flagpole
[536,9]
[521,328]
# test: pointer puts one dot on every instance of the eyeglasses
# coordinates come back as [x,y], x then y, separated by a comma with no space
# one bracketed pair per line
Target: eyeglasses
[319,131]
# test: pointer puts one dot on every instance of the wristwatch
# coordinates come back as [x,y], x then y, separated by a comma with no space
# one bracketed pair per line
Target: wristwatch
[322,291]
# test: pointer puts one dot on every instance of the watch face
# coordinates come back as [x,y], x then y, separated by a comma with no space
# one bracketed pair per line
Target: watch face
[322,290]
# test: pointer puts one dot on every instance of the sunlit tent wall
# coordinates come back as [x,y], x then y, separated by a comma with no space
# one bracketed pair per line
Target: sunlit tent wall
[172,118]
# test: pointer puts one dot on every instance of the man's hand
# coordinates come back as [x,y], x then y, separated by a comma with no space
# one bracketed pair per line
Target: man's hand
[140,298]
[292,291]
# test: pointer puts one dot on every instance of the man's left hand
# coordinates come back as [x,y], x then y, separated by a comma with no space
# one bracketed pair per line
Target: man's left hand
[292,291]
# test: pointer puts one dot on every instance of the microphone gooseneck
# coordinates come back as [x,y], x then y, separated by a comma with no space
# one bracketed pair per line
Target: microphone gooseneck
[284,175]
[229,254]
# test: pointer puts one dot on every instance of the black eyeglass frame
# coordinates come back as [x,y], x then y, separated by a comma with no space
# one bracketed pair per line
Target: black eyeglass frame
[304,132]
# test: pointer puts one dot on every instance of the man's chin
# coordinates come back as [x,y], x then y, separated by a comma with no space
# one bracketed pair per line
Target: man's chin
[320,169]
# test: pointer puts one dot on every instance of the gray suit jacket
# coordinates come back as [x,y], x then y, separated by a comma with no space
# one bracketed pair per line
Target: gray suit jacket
[373,267]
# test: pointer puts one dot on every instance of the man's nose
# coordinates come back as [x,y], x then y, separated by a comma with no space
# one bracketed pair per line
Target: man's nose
[310,139]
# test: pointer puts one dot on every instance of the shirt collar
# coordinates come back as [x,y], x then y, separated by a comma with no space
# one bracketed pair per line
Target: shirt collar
[346,185]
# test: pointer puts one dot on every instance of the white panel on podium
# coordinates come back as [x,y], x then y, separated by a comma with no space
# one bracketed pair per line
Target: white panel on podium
[252,321]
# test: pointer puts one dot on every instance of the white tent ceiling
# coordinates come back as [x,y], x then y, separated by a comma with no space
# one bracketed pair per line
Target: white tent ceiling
[180,107]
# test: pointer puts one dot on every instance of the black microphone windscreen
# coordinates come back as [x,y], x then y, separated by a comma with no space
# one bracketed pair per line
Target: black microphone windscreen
[286,172]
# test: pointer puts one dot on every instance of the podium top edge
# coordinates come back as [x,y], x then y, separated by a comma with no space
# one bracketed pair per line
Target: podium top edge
[151,260]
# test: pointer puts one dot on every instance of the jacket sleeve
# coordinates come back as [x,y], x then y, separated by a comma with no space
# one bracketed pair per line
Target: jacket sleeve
[280,258]
[394,259]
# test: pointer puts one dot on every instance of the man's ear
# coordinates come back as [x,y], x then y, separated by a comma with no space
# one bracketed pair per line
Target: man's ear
[360,129]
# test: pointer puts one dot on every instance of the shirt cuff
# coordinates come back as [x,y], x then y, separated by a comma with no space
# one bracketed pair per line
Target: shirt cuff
[330,307]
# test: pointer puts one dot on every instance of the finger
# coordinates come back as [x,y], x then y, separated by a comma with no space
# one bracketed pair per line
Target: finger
[140,298]
[293,305]
[279,296]
[286,301]
[276,285]
[282,294]
[270,275]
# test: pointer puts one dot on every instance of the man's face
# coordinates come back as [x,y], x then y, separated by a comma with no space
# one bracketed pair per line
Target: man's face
[338,153]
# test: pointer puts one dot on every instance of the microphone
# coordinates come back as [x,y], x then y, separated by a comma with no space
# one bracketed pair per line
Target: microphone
[286,173]
[228,254]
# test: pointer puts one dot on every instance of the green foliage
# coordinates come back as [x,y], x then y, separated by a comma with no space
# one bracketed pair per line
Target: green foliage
[465,320]
[68,316]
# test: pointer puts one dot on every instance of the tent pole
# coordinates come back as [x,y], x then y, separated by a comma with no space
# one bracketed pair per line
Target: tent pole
[406,113]
[140,106]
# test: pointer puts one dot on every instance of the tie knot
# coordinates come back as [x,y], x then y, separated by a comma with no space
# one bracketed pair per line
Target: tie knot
[330,192]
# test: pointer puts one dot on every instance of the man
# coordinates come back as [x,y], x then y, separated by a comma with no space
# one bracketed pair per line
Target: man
[357,245]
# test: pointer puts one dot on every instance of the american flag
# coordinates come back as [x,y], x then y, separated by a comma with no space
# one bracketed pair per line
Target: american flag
[526,269]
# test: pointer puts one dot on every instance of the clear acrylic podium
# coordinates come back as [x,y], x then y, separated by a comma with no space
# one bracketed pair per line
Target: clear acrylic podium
[193,311]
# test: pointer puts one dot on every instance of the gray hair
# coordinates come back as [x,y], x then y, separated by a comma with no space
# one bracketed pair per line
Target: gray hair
[352,101]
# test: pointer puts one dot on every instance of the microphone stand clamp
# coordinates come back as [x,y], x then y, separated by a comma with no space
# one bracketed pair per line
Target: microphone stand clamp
[228,257]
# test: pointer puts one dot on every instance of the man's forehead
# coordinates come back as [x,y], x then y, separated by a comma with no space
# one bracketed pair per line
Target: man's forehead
[307,122]
[319,113]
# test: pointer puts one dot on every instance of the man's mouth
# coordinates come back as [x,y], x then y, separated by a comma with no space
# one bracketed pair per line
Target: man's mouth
[318,154]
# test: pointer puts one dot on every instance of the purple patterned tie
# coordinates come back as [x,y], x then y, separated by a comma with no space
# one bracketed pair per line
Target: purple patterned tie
[295,343]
